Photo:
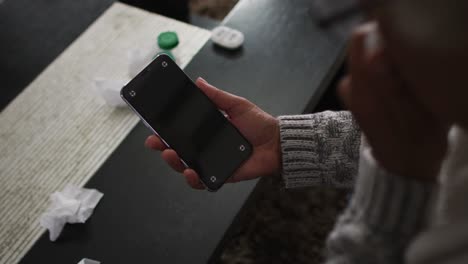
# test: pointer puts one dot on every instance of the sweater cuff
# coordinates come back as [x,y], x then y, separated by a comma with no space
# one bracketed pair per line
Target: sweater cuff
[319,149]
[298,169]
[389,203]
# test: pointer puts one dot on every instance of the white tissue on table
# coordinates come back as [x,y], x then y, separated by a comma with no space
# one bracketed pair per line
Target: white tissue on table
[71,205]
[89,261]
[138,59]
[109,90]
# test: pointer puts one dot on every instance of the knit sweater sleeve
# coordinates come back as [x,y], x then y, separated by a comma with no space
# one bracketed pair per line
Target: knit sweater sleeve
[319,149]
[383,217]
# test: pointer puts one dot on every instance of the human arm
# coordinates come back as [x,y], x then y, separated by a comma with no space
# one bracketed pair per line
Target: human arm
[398,168]
[331,139]
[384,215]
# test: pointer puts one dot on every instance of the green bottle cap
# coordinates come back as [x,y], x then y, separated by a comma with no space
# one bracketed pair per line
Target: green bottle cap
[168,40]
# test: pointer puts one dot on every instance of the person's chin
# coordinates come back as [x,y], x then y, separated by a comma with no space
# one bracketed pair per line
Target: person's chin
[462,120]
[463,124]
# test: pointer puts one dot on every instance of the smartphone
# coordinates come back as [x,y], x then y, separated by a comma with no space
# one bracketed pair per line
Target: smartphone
[186,120]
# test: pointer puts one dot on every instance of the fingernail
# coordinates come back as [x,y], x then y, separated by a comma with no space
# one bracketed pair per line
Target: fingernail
[372,41]
[201,79]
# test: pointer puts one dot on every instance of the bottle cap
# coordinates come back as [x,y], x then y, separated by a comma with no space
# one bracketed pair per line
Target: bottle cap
[168,40]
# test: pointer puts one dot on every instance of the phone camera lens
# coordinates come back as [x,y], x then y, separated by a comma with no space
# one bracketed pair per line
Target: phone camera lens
[132,93]
[164,64]
[242,148]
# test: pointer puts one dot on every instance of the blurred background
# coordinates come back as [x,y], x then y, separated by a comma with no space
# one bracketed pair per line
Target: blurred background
[216,9]
[187,9]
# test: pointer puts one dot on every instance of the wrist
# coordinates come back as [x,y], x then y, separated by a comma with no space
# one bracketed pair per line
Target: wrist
[276,149]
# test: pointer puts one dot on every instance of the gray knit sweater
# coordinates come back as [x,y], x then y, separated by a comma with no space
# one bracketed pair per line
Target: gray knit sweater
[386,211]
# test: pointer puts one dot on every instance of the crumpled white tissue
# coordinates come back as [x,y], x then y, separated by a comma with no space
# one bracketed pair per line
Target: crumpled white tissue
[89,261]
[71,205]
[138,59]
[109,90]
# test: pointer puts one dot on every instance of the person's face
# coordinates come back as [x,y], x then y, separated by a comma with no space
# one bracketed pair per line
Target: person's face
[429,56]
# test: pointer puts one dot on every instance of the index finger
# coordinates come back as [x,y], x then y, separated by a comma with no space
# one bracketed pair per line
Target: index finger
[232,104]
[154,142]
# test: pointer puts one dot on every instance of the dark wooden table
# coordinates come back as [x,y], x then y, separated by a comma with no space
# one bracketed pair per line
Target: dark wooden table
[148,213]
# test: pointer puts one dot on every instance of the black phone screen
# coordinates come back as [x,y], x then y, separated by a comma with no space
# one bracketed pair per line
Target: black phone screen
[184,117]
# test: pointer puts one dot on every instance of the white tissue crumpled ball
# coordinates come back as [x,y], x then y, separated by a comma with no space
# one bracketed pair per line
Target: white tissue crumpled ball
[138,59]
[89,261]
[109,90]
[71,205]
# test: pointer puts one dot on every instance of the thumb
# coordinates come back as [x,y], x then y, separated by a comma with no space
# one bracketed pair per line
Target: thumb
[231,104]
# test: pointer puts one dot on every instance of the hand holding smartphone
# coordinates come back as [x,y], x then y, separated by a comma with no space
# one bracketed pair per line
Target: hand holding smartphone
[186,120]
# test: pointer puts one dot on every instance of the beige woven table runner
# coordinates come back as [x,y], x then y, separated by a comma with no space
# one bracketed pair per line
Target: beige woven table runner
[59,132]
